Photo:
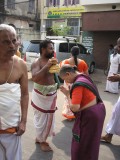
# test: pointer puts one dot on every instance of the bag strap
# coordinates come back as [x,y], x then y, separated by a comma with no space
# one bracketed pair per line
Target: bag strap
[91,87]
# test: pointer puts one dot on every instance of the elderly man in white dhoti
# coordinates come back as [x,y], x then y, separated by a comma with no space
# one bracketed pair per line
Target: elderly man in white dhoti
[44,93]
[13,95]
[113,126]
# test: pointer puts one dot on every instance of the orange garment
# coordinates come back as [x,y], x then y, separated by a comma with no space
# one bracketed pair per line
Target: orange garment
[8,131]
[82,96]
[18,53]
[82,66]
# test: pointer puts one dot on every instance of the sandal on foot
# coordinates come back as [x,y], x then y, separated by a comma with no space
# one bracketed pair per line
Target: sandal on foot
[106,139]
[45,147]
[37,141]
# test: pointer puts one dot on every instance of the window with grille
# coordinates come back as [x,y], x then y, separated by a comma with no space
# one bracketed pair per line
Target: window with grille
[48,23]
[70,2]
[74,2]
[65,3]
[47,3]
[31,8]
[77,1]
[11,4]
[74,23]
[52,3]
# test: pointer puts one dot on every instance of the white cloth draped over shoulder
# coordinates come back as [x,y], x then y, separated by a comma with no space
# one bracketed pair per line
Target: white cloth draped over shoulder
[44,104]
[115,61]
[113,125]
[10,110]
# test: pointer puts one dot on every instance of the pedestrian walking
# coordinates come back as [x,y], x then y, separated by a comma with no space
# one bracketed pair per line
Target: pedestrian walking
[13,95]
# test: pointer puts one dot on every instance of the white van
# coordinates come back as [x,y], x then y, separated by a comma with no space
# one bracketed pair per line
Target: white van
[62,47]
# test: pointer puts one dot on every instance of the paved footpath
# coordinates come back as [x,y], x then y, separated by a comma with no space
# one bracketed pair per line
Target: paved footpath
[62,141]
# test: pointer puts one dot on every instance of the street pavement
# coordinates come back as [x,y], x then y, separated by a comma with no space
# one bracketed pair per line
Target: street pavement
[61,143]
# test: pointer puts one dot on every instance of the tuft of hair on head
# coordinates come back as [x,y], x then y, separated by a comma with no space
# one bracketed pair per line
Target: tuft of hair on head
[115,47]
[75,50]
[67,68]
[118,41]
[6,27]
[44,44]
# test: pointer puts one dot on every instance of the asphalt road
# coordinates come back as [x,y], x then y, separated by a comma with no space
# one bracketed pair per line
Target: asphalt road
[61,143]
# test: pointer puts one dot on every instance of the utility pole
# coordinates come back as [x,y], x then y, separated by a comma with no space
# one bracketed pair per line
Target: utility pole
[43,24]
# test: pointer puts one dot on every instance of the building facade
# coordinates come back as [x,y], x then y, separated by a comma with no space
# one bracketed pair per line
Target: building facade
[100,24]
[62,13]
[23,15]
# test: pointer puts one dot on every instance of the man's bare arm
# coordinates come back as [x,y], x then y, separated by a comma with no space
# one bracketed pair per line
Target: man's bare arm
[114,78]
[24,99]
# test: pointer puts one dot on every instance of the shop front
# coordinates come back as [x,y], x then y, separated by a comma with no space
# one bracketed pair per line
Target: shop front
[105,30]
[65,16]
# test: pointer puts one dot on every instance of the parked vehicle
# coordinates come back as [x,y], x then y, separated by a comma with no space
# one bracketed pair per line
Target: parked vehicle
[23,47]
[62,46]
[32,52]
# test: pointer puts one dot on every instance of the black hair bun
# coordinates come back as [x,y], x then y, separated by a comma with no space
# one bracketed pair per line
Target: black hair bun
[75,50]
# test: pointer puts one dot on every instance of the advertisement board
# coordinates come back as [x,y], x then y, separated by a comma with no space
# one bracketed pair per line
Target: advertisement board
[65,12]
[87,40]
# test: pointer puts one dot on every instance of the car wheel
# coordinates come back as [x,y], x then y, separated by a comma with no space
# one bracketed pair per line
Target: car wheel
[92,68]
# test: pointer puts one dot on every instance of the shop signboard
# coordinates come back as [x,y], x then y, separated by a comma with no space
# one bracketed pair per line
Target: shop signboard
[87,40]
[65,12]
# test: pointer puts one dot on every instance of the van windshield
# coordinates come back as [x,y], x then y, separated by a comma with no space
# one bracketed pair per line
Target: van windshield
[33,47]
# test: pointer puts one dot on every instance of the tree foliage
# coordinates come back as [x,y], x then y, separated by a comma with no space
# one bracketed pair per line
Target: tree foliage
[60,31]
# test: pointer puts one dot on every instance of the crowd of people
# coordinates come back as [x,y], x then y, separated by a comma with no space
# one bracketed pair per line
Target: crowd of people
[83,102]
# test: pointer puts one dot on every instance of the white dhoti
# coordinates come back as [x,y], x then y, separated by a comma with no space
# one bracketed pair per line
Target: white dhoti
[10,113]
[113,126]
[10,108]
[115,61]
[10,147]
[112,86]
[44,108]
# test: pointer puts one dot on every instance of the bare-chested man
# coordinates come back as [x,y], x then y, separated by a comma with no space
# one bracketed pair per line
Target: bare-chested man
[13,95]
[44,94]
